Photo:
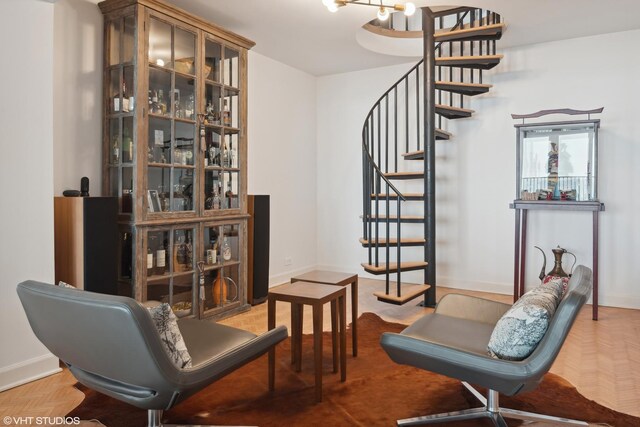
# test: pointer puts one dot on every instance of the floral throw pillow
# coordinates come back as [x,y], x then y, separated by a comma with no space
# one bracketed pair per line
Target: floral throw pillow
[522,327]
[167,325]
[562,282]
[65,285]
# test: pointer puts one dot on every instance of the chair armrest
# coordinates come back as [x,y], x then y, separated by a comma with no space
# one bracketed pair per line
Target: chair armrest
[471,308]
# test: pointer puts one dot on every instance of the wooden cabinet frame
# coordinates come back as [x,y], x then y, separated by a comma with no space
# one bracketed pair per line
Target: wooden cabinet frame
[142,220]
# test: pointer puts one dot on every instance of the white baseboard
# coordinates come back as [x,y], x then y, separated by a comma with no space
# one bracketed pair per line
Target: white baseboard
[29,370]
[287,275]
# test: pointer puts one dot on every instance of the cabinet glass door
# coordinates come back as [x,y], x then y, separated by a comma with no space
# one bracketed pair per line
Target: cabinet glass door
[221,255]
[221,128]
[120,107]
[170,268]
[171,141]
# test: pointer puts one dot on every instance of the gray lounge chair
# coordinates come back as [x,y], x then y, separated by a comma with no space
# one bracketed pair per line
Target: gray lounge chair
[453,342]
[111,345]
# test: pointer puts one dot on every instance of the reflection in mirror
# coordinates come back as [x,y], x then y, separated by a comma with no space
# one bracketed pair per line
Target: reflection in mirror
[557,164]
[159,43]
[185,48]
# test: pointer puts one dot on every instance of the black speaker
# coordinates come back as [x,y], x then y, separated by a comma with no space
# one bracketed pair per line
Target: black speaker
[86,242]
[258,286]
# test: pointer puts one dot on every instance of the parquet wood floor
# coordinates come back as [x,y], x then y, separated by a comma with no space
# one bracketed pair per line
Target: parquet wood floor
[602,359]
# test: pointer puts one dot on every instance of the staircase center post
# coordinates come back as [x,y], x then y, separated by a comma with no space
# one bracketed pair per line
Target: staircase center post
[428,29]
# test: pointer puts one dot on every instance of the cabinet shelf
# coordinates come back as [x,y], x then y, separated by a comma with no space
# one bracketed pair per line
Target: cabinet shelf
[210,267]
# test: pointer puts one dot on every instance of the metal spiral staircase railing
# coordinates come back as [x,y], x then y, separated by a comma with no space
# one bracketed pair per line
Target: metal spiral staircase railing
[402,126]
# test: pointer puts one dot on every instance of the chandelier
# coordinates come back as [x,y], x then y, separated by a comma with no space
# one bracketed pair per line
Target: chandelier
[383,9]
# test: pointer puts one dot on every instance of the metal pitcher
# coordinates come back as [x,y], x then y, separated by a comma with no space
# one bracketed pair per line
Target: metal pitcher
[557,268]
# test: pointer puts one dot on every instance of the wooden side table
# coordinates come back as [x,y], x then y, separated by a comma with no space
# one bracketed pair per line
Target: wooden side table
[315,295]
[338,279]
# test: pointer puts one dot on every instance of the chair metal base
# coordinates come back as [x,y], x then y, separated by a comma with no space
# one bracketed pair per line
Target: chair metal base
[491,410]
[154,417]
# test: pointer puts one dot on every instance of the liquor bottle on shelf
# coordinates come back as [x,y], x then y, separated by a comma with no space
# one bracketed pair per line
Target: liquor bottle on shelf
[115,104]
[115,150]
[127,147]
[208,203]
[179,255]
[209,113]
[226,155]
[216,199]
[214,155]
[154,107]
[188,254]
[149,261]
[125,98]
[161,260]
[229,195]
[226,249]
[212,252]
[190,107]
[226,114]
[162,103]
[178,111]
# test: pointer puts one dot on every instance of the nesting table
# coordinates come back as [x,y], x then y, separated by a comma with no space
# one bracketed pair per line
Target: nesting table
[337,279]
[315,295]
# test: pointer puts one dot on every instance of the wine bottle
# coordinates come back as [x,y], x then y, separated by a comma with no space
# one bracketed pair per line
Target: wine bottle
[149,262]
[226,114]
[161,259]
[155,107]
[226,249]
[115,150]
[225,155]
[125,98]
[127,147]
[179,255]
[162,103]
[116,103]
[229,194]
[216,199]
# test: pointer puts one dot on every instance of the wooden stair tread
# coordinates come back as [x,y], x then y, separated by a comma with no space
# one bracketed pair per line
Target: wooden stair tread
[404,175]
[408,293]
[468,89]
[484,32]
[408,196]
[443,134]
[393,266]
[404,241]
[484,62]
[414,155]
[449,107]
[464,84]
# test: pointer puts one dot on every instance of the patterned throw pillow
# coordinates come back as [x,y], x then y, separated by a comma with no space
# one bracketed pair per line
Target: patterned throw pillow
[65,285]
[167,325]
[520,329]
[562,282]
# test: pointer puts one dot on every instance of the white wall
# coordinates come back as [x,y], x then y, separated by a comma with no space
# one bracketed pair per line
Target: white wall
[282,150]
[77,96]
[476,168]
[26,217]
[281,129]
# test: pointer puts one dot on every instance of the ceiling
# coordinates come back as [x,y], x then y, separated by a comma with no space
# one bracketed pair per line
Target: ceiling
[304,35]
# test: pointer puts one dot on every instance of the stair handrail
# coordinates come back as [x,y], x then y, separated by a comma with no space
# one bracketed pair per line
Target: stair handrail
[378,102]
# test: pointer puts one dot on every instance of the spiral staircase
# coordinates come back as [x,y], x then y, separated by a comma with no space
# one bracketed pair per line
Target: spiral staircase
[399,141]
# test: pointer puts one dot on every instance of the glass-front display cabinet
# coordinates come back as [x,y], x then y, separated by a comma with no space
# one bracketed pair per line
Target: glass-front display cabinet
[174,144]
[558,161]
